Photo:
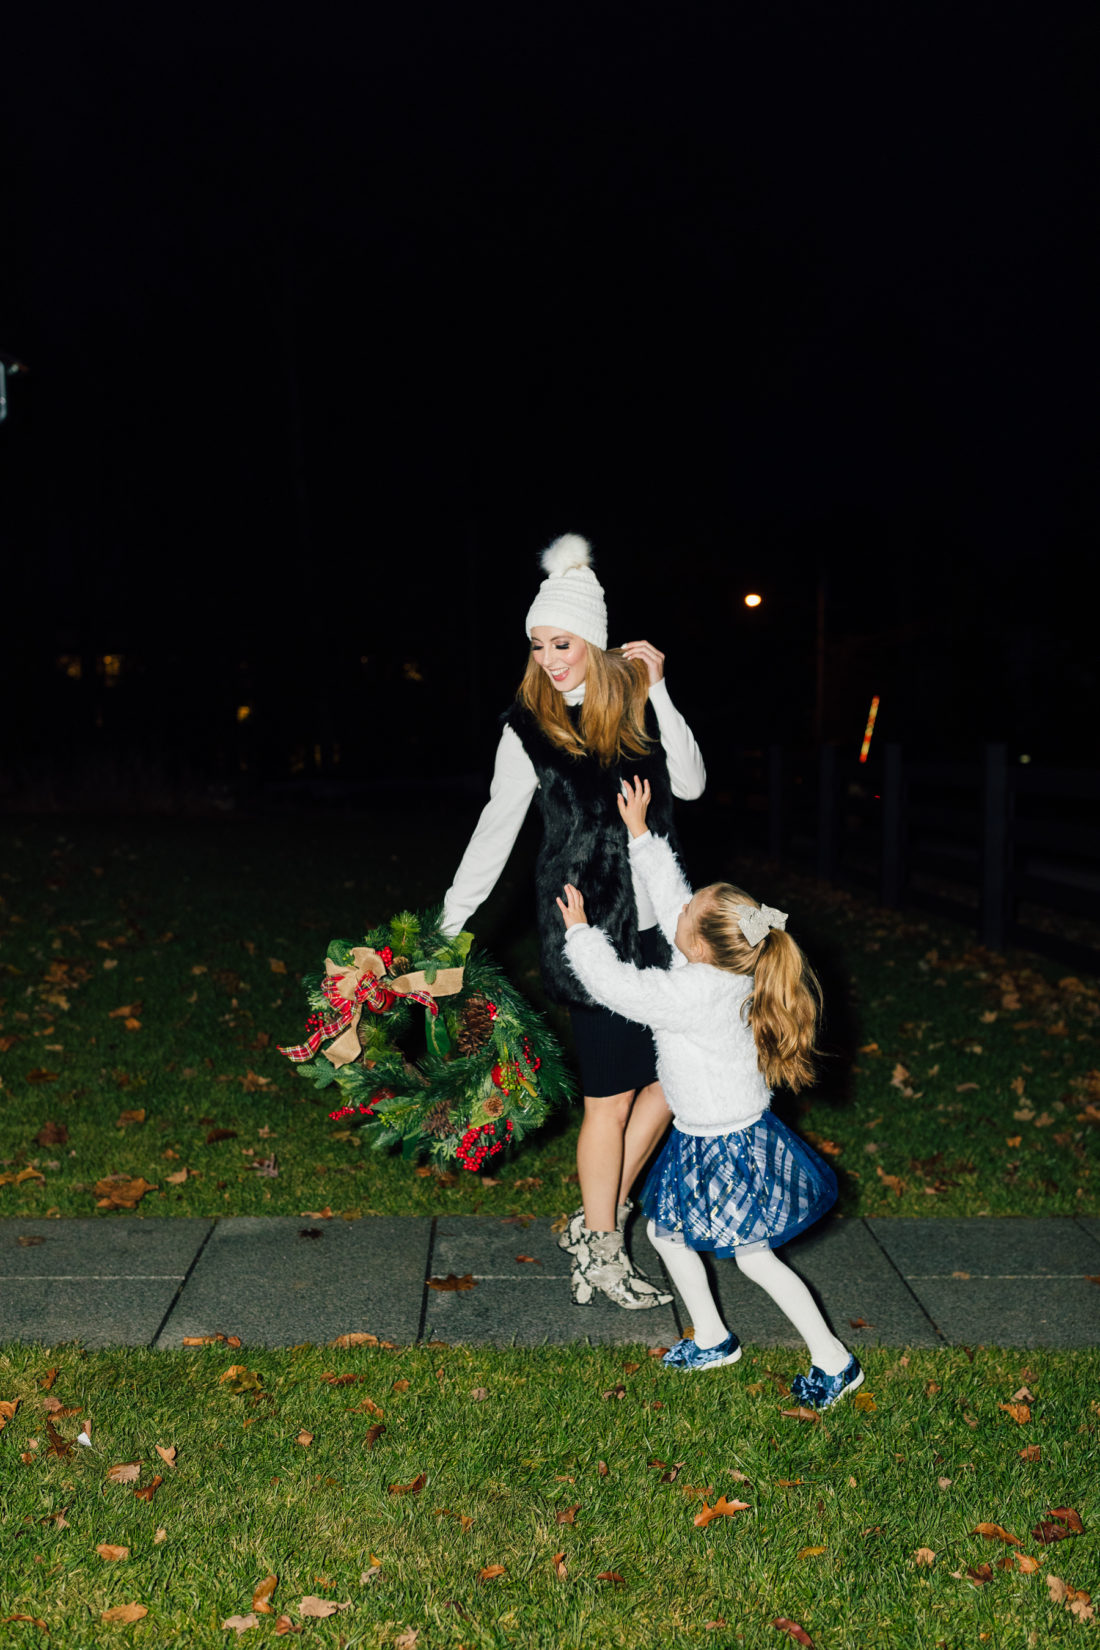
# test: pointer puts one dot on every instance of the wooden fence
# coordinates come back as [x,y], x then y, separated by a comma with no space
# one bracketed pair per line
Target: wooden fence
[988,842]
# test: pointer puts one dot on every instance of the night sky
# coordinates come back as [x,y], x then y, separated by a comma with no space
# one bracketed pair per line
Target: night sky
[333,322]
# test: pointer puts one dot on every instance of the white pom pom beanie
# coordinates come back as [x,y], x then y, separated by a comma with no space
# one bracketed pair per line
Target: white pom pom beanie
[571,595]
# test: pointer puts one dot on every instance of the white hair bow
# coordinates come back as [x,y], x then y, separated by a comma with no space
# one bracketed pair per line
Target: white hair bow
[756,922]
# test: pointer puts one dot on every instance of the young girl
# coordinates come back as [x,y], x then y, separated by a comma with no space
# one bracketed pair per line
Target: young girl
[734,1016]
[584,716]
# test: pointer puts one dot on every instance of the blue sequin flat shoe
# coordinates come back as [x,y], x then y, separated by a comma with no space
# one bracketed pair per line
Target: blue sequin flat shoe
[820,1391]
[686,1355]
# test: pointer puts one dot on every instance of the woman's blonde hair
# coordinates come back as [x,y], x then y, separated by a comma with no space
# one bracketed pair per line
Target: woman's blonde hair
[786,996]
[612,720]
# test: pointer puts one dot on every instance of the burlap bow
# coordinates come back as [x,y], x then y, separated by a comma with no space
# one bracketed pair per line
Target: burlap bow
[347,986]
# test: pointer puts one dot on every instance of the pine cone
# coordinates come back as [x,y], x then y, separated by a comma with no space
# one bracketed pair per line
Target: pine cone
[477,1025]
[438,1121]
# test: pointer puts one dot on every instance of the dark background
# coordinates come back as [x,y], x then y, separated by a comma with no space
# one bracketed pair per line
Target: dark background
[333,322]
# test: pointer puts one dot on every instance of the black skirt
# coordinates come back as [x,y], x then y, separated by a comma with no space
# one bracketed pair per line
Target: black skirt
[614,1054]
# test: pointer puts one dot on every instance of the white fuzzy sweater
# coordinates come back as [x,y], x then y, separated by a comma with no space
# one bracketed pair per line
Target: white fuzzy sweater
[706,1055]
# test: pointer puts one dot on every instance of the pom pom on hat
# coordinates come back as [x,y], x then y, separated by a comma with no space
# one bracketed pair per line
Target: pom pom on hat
[570,596]
[565,553]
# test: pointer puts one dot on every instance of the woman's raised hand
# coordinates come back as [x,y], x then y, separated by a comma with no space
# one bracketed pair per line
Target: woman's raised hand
[653,660]
[572,907]
[633,802]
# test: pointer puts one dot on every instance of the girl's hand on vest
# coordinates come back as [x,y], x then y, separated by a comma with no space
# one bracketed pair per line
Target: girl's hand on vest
[653,660]
[572,907]
[633,801]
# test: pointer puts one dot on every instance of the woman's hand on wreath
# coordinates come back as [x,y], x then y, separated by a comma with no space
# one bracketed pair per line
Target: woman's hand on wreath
[653,660]
[572,907]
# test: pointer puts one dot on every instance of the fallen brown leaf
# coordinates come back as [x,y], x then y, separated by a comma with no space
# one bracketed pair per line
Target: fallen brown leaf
[410,1489]
[601,1468]
[452,1283]
[119,1191]
[865,1402]
[52,1134]
[319,1608]
[811,1552]
[996,1532]
[1026,1563]
[407,1639]
[167,1453]
[125,1117]
[1031,1452]
[801,1414]
[478,1394]
[721,1509]
[8,1407]
[357,1337]
[112,1554]
[125,1472]
[567,1515]
[980,1574]
[123,1614]
[1020,1413]
[612,1576]
[285,1625]
[241,1379]
[35,1620]
[161,1535]
[304,1438]
[262,1593]
[924,1556]
[147,1492]
[373,1434]
[240,1624]
[490,1572]
[560,1570]
[799,1634]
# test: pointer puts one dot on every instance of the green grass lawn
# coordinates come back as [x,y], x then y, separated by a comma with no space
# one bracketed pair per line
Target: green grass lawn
[597,1461]
[149,967]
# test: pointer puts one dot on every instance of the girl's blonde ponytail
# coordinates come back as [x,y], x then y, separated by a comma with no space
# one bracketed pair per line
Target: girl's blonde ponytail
[784,1007]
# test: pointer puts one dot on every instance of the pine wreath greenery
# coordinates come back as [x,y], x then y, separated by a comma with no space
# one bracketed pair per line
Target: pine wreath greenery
[490,1070]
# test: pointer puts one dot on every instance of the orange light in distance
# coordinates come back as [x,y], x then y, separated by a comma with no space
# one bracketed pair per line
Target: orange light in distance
[753,600]
[869,730]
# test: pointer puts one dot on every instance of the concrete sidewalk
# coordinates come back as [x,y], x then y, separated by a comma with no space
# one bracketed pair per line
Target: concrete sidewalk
[281,1281]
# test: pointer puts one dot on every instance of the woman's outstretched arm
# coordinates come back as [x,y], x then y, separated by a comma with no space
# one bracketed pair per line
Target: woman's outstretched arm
[513,785]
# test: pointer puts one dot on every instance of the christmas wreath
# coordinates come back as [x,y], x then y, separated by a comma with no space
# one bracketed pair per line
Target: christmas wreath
[491,1068]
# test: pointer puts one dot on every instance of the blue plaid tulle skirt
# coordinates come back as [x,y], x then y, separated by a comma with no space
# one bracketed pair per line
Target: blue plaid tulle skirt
[760,1185]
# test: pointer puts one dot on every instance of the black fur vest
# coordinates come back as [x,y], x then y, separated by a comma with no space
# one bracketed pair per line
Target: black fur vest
[584,841]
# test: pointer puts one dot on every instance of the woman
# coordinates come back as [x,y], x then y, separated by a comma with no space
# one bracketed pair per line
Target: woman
[583,720]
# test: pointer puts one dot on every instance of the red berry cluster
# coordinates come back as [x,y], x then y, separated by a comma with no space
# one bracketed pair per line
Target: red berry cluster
[534,1063]
[386,954]
[361,1109]
[478,1144]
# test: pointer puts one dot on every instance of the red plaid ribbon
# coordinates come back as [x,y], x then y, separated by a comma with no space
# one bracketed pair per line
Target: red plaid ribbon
[378,998]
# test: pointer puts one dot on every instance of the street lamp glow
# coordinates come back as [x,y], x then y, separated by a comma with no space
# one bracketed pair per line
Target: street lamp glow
[753,601]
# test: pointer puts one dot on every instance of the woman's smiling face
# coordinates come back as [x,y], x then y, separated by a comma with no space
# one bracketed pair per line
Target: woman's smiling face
[562,655]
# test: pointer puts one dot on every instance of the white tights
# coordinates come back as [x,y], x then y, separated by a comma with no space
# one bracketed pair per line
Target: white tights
[764,1267]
